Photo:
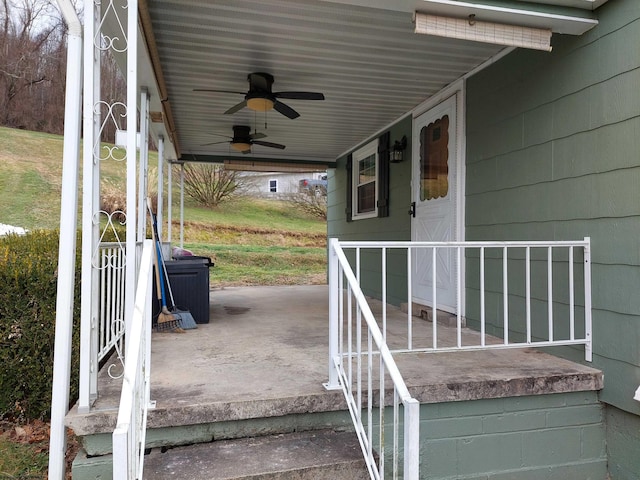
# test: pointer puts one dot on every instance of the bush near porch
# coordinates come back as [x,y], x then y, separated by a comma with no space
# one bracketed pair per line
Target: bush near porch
[28,277]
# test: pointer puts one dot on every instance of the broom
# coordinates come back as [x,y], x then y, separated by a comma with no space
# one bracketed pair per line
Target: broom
[166,320]
[185,319]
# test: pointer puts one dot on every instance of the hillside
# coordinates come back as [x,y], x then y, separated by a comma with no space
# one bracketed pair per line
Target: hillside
[251,241]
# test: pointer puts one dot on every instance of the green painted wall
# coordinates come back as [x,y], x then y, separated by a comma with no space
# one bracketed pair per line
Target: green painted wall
[397,226]
[553,153]
[552,437]
[622,444]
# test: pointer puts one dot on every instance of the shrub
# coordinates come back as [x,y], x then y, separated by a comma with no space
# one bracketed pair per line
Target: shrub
[28,277]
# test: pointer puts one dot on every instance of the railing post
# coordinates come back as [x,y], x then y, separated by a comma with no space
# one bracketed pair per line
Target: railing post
[411,439]
[588,348]
[334,281]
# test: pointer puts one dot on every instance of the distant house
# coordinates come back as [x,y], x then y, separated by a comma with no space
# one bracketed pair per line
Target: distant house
[277,184]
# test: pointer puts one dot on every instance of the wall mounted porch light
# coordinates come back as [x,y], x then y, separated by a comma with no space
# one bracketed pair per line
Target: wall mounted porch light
[397,151]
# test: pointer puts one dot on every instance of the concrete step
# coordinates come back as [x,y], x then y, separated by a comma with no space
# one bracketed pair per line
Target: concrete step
[317,455]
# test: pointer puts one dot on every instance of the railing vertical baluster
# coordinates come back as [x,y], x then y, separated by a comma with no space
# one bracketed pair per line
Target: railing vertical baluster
[459,299]
[550,291]
[528,291]
[482,299]
[350,333]
[572,306]
[108,289]
[370,395]
[434,294]
[396,432]
[381,408]
[588,349]
[341,315]
[409,297]
[359,356]
[505,293]
[102,339]
[384,293]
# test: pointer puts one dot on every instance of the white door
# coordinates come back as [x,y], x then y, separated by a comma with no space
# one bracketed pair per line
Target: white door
[435,191]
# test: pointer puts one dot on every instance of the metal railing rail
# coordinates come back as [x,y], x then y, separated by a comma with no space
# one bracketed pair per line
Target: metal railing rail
[130,432]
[551,317]
[348,363]
[110,332]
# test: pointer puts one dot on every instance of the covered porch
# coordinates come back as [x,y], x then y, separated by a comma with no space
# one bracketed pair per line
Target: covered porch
[257,371]
[258,368]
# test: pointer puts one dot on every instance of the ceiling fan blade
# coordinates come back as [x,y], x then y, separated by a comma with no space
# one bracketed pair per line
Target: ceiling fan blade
[300,95]
[269,144]
[211,90]
[236,108]
[257,135]
[285,110]
[214,143]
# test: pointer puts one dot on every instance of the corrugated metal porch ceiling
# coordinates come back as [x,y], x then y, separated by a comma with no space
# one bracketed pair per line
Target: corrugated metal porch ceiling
[368,62]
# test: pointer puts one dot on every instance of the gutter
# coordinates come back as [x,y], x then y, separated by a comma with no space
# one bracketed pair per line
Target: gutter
[152,49]
[67,245]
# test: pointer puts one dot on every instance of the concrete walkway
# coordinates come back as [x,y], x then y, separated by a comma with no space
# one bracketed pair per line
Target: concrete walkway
[264,353]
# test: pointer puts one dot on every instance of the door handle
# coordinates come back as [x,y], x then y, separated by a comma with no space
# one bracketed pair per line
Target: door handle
[412,209]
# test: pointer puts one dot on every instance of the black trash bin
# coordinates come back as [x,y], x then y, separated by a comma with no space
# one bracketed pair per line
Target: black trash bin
[189,281]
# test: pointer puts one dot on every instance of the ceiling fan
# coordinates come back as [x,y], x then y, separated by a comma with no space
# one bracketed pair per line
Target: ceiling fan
[243,139]
[261,98]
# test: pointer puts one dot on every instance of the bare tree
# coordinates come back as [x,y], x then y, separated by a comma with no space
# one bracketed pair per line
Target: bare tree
[32,65]
[211,184]
[312,202]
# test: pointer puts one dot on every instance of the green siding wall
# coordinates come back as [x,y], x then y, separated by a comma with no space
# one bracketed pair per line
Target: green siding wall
[553,153]
[397,226]
[559,437]
[622,444]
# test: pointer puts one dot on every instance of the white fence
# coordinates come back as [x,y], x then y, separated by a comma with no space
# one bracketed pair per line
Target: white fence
[539,293]
[130,432]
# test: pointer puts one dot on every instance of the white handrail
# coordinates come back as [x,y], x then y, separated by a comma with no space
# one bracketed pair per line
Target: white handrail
[130,432]
[410,448]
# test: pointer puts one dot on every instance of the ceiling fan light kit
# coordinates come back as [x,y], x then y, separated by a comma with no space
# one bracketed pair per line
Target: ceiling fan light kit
[259,104]
[243,139]
[261,98]
[241,146]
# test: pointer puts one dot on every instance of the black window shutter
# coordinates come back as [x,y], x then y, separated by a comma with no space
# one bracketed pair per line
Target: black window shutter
[349,209]
[383,174]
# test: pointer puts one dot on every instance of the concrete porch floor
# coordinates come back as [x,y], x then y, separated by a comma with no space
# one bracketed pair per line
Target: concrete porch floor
[264,354]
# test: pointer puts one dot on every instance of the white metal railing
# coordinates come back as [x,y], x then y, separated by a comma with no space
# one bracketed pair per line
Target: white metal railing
[540,294]
[357,381]
[130,432]
[110,332]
